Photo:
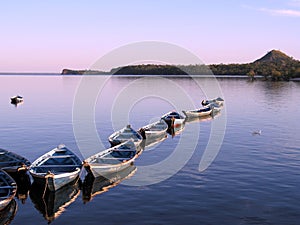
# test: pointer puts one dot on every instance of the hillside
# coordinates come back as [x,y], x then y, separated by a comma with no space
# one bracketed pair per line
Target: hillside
[275,65]
[274,56]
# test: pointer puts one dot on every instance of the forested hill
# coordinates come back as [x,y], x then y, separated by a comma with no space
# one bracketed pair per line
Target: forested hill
[274,65]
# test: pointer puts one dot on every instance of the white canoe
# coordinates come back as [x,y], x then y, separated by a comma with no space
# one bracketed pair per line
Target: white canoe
[198,112]
[123,135]
[56,168]
[153,130]
[111,160]
[219,101]
[173,119]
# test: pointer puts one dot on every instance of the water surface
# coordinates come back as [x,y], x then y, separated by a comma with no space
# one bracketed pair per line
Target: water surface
[254,179]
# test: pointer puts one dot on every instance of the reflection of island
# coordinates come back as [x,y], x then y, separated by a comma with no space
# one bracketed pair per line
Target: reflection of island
[52,204]
[95,186]
[8,213]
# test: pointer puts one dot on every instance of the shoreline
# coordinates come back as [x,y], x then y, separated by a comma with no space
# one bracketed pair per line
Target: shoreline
[258,77]
[126,75]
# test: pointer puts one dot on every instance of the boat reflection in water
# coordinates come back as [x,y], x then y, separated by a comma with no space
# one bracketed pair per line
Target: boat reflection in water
[8,213]
[52,204]
[176,129]
[150,143]
[94,186]
[23,185]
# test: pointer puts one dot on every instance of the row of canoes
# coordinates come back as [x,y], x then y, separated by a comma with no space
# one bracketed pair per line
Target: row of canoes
[61,166]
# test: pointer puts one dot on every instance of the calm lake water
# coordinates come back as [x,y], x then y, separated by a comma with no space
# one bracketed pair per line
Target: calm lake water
[252,179]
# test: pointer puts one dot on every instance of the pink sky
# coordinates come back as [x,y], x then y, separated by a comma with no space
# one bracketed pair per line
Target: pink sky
[48,36]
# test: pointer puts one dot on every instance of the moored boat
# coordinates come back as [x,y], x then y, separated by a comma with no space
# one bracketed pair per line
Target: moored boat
[198,112]
[173,119]
[56,168]
[125,134]
[16,99]
[111,160]
[156,129]
[219,101]
[8,189]
[12,162]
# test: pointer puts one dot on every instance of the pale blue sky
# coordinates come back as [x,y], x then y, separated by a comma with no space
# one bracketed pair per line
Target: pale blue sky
[46,36]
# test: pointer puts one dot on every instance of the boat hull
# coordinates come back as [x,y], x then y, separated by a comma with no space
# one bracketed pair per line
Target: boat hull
[192,113]
[8,189]
[106,169]
[12,162]
[111,160]
[8,213]
[55,182]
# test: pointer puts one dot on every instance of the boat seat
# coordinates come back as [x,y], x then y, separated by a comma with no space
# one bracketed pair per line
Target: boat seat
[116,158]
[108,161]
[10,162]
[55,169]
[61,156]
[45,166]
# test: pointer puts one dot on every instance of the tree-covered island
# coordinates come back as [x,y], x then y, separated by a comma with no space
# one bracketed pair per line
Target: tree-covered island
[275,65]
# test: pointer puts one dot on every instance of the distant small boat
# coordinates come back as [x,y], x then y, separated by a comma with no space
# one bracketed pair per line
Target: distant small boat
[156,129]
[8,189]
[56,168]
[111,160]
[219,101]
[198,112]
[16,99]
[256,132]
[125,134]
[12,162]
[52,204]
[92,186]
[173,119]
